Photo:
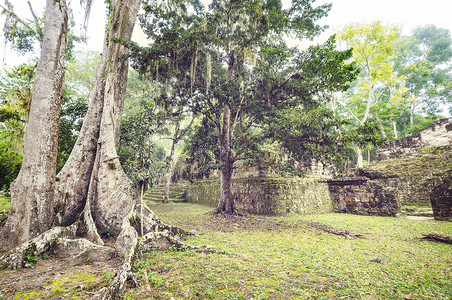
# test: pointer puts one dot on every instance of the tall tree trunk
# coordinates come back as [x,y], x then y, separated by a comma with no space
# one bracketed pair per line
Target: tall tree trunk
[412,108]
[175,140]
[226,203]
[359,155]
[32,193]
[74,178]
[114,199]
[394,127]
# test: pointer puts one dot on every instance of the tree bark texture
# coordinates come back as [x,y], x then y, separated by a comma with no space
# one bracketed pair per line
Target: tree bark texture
[32,192]
[74,178]
[92,184]
[94,196]
[226,203]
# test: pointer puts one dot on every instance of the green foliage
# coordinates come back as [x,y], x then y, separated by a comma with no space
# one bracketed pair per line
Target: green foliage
[201,150]
[11,136]
[31,254]
[25,36]
[80,75]
[5,202]
[141,159]
[378,89]
[22,34]
[233,55]
[73,111]
[16,87]
[425,59]
[15,98]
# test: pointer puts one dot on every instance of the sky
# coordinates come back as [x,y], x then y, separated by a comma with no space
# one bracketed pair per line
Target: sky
[408,13]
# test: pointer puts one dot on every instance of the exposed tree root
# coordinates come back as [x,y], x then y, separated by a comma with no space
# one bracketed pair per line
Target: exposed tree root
[165,239]
[60,241]
[116,289]
[336,231]
[437,237]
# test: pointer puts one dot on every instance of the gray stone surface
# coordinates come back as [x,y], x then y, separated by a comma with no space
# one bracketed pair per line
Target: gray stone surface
[438,134]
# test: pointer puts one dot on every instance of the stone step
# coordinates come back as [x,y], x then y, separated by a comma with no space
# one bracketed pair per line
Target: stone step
[176,194]
[428,213]
[418,211]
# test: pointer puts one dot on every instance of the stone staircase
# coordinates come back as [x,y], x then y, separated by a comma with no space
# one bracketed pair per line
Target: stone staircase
[177,192]
[418,211]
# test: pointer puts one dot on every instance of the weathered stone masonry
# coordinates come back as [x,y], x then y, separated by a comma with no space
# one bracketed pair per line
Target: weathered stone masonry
[437,134]
[365,196]
[268,195]
[414,170]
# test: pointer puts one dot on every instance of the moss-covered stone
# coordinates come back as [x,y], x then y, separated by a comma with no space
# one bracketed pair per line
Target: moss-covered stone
[267,195]
[417,176]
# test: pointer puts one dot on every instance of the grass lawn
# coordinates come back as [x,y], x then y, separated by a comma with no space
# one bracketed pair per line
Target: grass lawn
[5,203]
[283,258]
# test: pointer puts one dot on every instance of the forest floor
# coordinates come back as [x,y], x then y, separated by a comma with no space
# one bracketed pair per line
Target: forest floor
[264,257]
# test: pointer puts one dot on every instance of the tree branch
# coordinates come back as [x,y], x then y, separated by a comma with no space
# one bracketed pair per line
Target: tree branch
[349,110]
[11,13]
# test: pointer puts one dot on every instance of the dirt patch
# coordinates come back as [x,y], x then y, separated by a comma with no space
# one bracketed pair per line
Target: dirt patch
[53,278]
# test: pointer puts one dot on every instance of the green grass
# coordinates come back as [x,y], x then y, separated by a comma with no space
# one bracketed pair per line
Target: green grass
[5,203]
[283,258]
[5,206]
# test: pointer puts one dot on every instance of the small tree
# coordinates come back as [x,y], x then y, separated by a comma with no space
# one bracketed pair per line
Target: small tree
[373,51]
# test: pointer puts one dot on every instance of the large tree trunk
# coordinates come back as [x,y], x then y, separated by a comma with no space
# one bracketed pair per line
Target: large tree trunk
[94,195]
[32,193]
[74,178]
[226,203]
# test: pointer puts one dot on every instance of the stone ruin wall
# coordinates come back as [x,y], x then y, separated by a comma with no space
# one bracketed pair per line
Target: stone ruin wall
[383,193]
[437,134]
[267,195]
[368,193]
[365,196]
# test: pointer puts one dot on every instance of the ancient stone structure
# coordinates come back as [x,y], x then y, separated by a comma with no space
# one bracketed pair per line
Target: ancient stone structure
[365,196]
[268,195]
[441,198]
[438,134]
[414,170]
